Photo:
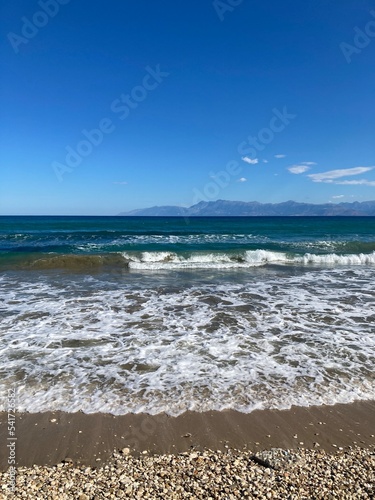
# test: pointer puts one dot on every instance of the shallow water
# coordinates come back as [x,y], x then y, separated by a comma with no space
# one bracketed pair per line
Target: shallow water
[182,329]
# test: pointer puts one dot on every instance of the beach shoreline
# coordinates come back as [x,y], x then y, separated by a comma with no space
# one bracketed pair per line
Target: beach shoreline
[50,438]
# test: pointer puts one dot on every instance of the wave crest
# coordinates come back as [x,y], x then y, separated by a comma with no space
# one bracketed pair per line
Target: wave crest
[248,259]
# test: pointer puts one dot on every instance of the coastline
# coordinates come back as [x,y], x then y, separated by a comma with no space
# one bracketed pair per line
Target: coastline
[90,439]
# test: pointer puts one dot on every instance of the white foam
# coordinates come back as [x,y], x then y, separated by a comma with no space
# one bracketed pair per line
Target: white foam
[250,258]
[117,347]
[170,260]
[169,239]
[332,259]
[259,257]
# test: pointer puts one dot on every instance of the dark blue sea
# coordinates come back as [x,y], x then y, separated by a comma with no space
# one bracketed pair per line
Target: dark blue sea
[131,314]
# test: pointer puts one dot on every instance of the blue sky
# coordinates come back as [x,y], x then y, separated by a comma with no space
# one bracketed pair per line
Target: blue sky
[108,106]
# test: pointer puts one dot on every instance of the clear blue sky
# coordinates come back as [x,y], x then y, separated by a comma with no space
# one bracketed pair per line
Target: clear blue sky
[180,90]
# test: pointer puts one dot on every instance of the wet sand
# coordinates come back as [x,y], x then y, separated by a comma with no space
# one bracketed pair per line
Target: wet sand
[90,439]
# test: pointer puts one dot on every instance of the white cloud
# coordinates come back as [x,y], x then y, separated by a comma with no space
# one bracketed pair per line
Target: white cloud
[359,182]
[298,169]
[280,156]
[265,161]
[338,196]
[243,179]
[249,160]
[336,174]
[122,182]
[308,163]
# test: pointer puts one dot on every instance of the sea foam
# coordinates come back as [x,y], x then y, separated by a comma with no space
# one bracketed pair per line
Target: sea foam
[247,259]
[153,345]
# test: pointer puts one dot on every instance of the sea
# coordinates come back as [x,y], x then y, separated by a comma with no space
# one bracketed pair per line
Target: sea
[169,314]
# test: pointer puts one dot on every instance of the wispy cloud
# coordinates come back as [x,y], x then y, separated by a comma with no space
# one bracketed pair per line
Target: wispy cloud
[338,196]
[249,160]
[243,179]
[265,161]
[280,156]
[308,163]
[120,182]
[331,175]
[359,182]
[298,169]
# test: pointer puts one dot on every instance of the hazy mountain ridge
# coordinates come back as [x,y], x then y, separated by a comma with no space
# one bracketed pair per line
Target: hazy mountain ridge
[254,208]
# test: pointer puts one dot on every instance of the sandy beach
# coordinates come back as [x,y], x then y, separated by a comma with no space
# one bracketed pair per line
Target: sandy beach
[90,439]
[55,442]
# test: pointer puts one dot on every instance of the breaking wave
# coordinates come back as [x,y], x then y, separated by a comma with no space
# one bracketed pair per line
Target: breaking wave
[247,259]
[192,260]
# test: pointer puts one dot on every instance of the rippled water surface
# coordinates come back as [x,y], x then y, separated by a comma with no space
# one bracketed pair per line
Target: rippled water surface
[128,315]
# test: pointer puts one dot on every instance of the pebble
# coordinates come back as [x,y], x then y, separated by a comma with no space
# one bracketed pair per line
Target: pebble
[233,474]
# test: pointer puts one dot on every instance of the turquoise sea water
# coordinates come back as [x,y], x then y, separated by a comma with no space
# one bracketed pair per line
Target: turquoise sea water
[129,314]
[32,241]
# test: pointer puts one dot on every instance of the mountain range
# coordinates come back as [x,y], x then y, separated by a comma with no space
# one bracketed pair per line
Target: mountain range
[226,208]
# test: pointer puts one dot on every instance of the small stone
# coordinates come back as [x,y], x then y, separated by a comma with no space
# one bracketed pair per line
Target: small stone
[273,473]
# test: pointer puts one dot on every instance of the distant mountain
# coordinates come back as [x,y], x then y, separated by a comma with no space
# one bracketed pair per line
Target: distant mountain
[168,211]
[254,208]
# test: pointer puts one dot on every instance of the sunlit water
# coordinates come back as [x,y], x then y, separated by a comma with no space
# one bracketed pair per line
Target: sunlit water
[128,315]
